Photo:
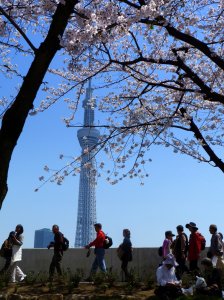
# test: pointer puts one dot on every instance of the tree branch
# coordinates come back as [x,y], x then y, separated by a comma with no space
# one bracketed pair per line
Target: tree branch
[18,29]
[197,133]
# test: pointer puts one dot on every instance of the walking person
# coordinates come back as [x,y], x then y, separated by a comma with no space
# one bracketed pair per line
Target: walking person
[196,245]
[99,251]
[17,240]
[216,248]
[180,250]
[7,252]
[167,243]
[126,248]
[58,252]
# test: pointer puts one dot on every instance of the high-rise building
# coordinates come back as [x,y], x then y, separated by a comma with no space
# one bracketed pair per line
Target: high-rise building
[43,237]
[88,138]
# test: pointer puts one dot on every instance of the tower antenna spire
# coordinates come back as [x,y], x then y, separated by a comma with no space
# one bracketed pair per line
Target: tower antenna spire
[88,138]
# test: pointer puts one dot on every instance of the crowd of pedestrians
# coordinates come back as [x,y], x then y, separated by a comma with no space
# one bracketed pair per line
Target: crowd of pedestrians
[12,248]
[181,255]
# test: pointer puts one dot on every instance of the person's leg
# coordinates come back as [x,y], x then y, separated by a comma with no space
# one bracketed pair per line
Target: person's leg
[94,266]
[124,267]
[100,259]
[193,265]
[6,266]
[13,271]
[52,268]
[181,268]
[58,261]
[19,274]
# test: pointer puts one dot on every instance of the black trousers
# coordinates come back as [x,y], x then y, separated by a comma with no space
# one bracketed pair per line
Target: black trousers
[124,267]
[56,264]
[7,265]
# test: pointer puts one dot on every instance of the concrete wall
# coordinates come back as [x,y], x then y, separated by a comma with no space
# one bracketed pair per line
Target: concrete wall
[145,260]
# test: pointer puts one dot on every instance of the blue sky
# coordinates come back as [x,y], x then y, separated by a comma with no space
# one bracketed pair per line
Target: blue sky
[178,190]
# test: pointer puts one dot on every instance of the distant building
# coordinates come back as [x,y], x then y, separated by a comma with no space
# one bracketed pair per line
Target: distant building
[43,237]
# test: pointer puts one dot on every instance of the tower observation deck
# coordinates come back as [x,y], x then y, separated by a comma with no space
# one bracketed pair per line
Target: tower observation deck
[88,137]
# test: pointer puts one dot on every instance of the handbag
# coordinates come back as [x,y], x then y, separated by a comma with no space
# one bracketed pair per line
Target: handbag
[120,252]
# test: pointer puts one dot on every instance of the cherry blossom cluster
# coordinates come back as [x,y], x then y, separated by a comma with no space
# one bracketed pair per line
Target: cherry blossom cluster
[158,64]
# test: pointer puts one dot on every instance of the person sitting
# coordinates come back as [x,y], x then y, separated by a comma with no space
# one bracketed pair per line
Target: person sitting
[212,278]
[168,285]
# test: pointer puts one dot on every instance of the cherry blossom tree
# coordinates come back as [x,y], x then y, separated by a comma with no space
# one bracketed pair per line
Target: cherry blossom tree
[163,63]
[160,63]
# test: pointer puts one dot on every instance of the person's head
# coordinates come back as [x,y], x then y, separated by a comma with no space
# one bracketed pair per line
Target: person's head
[97,227]
[207,263]
[12,234]
[170,261]
[180,229]
[169,235]
[55,228]
[212,228]
[126,233]
[192,227]
[19,229]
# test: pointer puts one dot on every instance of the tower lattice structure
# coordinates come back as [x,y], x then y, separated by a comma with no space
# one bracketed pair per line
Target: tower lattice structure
[88,138]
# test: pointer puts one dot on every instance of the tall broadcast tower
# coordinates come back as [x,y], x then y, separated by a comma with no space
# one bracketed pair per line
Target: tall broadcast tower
[88,138]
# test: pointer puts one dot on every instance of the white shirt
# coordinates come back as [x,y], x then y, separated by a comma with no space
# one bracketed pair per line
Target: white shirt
[165,275]
[17,251]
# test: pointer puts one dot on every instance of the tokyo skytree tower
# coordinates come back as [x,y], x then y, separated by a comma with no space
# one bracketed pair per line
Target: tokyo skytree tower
[88,137]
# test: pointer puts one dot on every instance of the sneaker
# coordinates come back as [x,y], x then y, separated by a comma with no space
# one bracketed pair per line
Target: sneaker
[13,281]
[22,278]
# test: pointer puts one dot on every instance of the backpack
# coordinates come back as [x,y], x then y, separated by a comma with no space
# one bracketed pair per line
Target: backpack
[203,241]
[219,244]
[160,251]
[65,244]
[108,242]
[6,249]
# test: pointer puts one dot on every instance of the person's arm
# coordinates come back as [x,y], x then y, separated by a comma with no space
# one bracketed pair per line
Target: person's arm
[183,245]
[17,240]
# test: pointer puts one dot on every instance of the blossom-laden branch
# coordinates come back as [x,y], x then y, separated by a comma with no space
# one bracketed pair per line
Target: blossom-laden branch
[150,58]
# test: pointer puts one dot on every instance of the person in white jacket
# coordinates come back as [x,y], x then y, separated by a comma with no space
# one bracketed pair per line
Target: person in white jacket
[16,273]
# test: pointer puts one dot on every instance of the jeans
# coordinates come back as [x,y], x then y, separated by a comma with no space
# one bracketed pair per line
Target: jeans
[99,261]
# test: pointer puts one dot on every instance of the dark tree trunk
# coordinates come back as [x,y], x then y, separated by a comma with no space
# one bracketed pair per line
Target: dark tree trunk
[15,117]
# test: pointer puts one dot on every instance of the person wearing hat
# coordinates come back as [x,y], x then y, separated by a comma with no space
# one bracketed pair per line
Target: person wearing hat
[99,250]
[180,250]
[167,243]
[212,278]
[168,285]
[195,246]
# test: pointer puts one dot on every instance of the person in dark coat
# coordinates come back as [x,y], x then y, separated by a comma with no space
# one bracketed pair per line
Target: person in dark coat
[58,252]
[8,243]
[126,247]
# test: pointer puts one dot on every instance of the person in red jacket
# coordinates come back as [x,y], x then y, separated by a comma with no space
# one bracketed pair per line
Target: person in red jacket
[194,246]
[99,250]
